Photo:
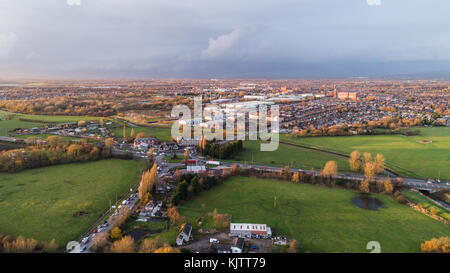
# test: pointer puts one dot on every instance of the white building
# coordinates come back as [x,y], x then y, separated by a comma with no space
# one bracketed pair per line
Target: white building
[250,230]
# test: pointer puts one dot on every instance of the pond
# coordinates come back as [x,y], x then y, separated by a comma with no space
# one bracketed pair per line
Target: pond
[367,202]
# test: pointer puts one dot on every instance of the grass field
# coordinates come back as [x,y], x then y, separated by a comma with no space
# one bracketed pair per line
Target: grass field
[163,134]
[321,219]
[404,154]
[286,155]
[15,122]
[42,203]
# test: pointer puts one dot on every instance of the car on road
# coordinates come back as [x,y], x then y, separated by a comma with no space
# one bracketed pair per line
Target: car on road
[254,247]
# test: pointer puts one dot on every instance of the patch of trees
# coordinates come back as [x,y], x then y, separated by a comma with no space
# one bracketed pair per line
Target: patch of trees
[21,244]
[190,185]
[436,245]
[218,150]
[57,150]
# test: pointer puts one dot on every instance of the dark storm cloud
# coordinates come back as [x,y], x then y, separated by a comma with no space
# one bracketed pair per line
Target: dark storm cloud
[206,38]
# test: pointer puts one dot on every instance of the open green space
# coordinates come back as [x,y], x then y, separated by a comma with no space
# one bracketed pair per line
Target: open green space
[15,122]
[321,219]
[161,133]
[285,155]
[62,201]
[406,155]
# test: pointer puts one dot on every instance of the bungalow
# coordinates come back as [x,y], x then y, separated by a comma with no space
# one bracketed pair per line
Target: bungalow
[168,146]
[238,245]
[184,235]
[219,248]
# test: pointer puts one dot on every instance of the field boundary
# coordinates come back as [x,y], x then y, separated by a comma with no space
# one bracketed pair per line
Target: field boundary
[331,152]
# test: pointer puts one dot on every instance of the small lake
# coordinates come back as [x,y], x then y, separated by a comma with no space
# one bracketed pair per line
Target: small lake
[367,202]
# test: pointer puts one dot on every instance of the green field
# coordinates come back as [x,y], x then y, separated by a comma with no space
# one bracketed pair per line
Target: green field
[289,156]
[162,134]
[404,154]
[15,122]
[42,203]
[321,219]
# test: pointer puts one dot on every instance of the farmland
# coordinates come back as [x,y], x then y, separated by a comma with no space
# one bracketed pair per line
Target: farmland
[62,201]
[288,156]
[407,155]
[163,134]
[321,219]
[33,120]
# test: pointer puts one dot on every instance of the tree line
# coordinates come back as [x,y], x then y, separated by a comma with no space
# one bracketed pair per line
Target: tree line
[56,150]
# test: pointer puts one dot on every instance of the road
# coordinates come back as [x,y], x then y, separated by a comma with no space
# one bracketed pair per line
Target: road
[129,207]
[412,182]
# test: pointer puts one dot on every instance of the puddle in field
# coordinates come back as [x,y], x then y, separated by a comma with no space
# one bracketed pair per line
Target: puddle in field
[367,202]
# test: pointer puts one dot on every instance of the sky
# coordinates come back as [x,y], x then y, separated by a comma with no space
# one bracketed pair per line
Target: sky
[232,38]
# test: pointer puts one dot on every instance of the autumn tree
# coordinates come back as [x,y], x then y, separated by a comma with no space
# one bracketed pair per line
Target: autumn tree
[370,170]
[124,132]
[295,177]
[74,151]
[150,245]
[293,247]
[367,157]
[436,245]
[379,163]
[388,187]
[116,233]
[30,140]
[21,245]
[202,144]
[50,247]
[355,161]
[148,181]
[132,133]
[124,245]
[109,142]
[330,169]
[174,215]
[167,249]
[364,186]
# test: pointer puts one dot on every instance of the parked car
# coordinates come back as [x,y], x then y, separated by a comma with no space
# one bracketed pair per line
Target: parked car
[254,247]
[213,240]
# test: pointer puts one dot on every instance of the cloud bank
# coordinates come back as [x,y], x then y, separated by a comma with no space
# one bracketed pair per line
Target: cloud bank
[7,43]
[221,45]
[374,2]
[74,2]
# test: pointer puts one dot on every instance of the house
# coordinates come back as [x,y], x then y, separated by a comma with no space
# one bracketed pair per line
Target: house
[219,248]
[168,146]
[238,245]
[150,141]
[184,235]
[250,230]
[188,142]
